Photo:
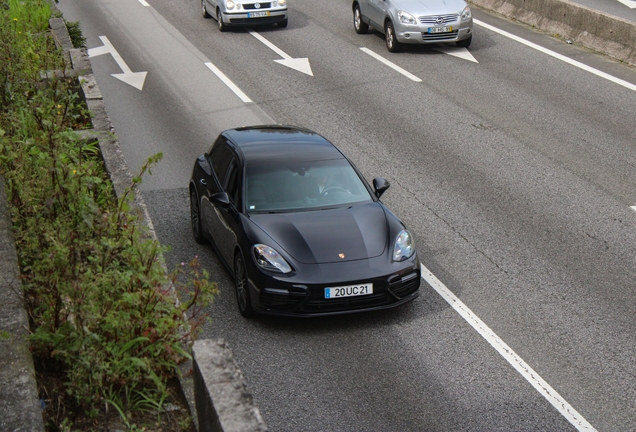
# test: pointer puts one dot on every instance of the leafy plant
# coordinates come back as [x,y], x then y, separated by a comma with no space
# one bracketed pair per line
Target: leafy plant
[102,306]
[75,32]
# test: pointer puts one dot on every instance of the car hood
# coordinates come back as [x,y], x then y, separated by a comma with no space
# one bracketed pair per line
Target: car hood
[431,7]
[327,236]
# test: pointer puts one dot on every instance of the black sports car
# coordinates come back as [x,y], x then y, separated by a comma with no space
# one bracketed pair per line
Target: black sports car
[298,226]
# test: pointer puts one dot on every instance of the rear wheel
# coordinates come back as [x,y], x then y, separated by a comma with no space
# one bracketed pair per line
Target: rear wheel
[195,217]
[465,43]
[219,21]
[392,43]
[204,10]
[242,287]
[358,24]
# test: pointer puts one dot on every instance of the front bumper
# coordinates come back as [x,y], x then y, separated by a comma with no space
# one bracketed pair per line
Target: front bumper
[275,296]
[243,18]
[420,34]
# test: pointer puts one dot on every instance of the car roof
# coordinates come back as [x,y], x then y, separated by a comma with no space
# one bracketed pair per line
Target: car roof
[269,143]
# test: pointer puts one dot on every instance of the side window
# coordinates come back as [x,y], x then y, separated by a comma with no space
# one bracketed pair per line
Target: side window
[232,182]
[221,156]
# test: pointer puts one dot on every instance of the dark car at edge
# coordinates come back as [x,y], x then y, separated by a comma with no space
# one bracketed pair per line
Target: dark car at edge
[297,225]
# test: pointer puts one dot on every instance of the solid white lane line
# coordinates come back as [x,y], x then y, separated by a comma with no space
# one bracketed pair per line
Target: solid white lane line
[391,65]
[629,3]
[559,56]
[511,357]
[634,208]
[237,91]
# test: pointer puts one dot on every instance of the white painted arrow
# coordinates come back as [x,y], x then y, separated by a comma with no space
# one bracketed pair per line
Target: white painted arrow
[300,64]
[135,79]
[462,53]
[629,3]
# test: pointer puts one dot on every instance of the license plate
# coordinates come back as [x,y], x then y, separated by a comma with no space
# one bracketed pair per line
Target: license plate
[445,29]
[349,291]
[257,14]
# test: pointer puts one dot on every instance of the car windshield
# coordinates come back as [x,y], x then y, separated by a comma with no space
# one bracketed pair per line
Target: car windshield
[303,186]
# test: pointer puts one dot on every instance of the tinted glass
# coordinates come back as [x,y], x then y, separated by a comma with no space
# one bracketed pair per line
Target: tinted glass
[232,182]
[311,185]
[221,157]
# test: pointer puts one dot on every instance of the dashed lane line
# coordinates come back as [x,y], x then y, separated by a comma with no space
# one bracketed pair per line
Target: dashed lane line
[392,65]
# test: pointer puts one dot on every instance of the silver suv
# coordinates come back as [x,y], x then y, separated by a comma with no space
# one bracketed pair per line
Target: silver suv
[415,21]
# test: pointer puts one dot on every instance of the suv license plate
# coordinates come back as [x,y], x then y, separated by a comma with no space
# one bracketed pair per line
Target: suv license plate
[349,291]
[446,29]
[257,14]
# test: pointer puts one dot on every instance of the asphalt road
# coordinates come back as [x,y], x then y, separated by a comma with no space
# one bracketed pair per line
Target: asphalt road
[514,169]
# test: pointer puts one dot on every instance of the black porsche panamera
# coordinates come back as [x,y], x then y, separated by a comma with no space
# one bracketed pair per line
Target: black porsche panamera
[298,227]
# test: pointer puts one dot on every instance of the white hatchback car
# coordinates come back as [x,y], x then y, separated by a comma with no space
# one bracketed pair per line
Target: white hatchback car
[233,13]
[415,21]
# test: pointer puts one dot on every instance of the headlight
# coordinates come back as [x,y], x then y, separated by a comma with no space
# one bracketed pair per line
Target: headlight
[404,247]
[406,18]
[229,5]
[268,259]
[282,3]
[466,14]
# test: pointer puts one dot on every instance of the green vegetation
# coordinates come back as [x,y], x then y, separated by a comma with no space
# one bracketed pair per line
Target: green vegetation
[104,312]
[75,32]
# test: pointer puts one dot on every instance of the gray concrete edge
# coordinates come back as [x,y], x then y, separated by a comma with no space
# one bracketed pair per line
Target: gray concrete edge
[607,34]
[19,404]
[223,401]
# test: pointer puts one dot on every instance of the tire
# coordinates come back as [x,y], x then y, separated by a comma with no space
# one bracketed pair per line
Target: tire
[219,20]
[204,10]
[392,43]
[358,24]
[465,43]
[241,286]
[282,24]
[195,218]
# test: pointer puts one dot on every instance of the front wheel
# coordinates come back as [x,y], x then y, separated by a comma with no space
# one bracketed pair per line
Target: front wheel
[392,43]
[204,10]
[283,23]
[358,24]
[219,20]
[195,217]
[242,287]
[465,43]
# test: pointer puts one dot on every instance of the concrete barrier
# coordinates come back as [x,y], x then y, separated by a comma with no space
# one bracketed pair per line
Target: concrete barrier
[19,405]
[598,31]
[223,403]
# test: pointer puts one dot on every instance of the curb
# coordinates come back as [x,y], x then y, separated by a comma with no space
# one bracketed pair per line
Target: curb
[19,405]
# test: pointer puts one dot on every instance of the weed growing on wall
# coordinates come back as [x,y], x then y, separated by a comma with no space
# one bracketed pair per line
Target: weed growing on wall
[103,311]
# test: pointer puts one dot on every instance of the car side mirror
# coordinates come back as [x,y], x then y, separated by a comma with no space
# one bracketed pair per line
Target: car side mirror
[221,199]
[380,185]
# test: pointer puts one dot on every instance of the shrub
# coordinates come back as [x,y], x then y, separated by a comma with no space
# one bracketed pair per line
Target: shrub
[101,304]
